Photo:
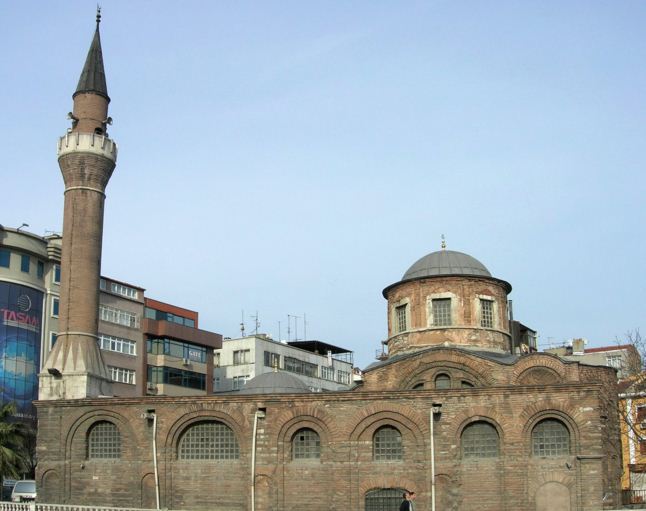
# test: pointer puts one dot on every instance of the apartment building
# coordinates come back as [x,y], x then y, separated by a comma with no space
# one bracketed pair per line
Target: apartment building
[149,347]
[322,366]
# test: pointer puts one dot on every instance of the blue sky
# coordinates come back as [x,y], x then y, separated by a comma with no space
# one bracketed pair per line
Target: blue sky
[297,157]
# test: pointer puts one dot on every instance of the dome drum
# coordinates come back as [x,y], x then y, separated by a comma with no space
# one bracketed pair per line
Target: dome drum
[448,298]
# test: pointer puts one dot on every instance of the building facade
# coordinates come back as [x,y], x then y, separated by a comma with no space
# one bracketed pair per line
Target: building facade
[449,412]
[30,275]
[632,410]
[521,432]
[128,322]
[180,356]
[320,365]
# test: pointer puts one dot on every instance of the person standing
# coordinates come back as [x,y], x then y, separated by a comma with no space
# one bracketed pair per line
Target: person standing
[405,505]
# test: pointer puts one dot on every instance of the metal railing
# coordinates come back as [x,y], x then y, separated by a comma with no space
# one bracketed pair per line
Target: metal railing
[633,497]
[32,506]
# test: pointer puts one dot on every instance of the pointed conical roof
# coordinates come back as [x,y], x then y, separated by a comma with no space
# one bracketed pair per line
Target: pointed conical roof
[93,75]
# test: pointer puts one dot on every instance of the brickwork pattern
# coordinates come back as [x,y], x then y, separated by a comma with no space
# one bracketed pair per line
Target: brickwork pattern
[465,329]
[346,422]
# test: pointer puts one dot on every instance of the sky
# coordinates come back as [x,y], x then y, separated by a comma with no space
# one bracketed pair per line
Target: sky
[295,158]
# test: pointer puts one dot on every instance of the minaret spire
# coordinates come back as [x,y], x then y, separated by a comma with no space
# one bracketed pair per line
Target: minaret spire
[93,75]
[87,156]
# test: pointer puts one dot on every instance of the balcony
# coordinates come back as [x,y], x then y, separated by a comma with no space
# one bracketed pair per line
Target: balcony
[182,333]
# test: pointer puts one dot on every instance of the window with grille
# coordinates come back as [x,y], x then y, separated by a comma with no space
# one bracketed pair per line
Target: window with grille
[400,318]
[104,441]
[209,441]
[480,440]
[442,381]
[486,313]
[384,499]
[387,444]
[306,445]
[441,311]
[550,437]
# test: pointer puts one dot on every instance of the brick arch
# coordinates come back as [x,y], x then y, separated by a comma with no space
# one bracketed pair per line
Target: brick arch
[380,414]
[540,375]
[444,498]
[502,422]
[50,481]
[567,479]
[536,412]
[380,482]
[290,416]
[448,359]
[305,417]
[538,360]
[82,425]
[179,427]
[148,491]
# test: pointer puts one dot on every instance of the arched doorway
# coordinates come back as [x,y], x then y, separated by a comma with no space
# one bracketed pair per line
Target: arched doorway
[553,496]
[384,499]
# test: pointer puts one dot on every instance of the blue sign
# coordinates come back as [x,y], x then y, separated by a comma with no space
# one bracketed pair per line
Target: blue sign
[20,334]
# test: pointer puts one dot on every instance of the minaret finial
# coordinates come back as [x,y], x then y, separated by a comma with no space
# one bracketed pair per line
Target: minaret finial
[98,15]
[443,243]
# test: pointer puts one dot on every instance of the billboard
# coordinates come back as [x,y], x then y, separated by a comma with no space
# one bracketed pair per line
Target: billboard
[20,335]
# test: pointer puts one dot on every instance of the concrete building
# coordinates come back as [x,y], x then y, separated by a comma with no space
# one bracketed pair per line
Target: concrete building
[623,357]
[450,412]
[179,355]
[30,276]
[632,410]
[321,366]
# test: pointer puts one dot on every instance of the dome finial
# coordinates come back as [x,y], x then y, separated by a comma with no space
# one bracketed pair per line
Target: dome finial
[443,242]
[98,15]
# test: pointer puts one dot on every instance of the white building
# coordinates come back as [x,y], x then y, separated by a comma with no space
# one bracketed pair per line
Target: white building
[320,365]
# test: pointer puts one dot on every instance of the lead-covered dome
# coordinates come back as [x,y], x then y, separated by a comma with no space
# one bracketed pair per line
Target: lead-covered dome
[446,262]
[275,383]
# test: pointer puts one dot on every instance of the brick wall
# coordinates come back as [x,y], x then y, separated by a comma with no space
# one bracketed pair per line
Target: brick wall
[346,423]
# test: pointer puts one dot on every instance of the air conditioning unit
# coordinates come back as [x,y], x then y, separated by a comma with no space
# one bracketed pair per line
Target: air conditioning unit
[186,362]
[151,387]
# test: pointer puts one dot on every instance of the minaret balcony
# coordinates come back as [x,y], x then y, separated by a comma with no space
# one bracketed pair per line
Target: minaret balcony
[93,143]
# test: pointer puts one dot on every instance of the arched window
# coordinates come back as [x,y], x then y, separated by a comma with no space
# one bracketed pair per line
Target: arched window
[387,444]
[466,384]
[210,440]
[550,437]
[384,499]
[306,445]
[443,381]
[480,440]
[104,441]
[418,386]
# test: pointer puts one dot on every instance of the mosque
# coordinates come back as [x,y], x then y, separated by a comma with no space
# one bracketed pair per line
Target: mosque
[452,411]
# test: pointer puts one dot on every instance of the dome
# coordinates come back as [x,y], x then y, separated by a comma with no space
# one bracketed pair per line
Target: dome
[275,383]
[446,262]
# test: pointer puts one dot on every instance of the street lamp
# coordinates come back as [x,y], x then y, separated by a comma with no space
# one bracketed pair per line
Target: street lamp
[436,411]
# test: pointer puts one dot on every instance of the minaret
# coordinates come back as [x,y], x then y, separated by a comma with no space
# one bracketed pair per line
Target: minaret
[87,157]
